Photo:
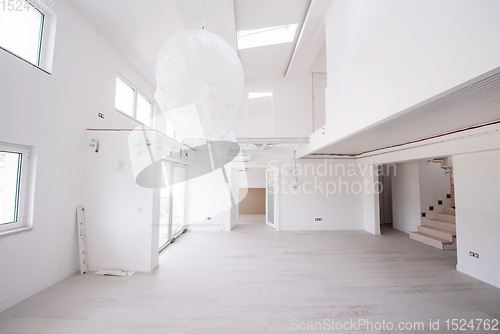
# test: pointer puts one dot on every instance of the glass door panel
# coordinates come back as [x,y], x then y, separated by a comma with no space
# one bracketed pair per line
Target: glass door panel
[165,205]
[178,200]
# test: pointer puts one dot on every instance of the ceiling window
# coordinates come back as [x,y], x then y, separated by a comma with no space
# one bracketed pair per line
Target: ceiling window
[266,36]
[131,102]
[21,29]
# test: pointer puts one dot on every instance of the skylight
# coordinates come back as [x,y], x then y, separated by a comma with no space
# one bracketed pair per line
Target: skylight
[255,95]
[266,36]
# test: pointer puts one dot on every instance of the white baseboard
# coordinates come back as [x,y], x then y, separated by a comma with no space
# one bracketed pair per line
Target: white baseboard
[478,276]
[36,289]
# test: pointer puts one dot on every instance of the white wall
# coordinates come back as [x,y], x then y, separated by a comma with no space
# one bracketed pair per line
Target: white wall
[119,213]
[406,197]
[341,209]
[292,102]
[298,208]
[260,117]
[477,214]
[51,114]
[385,56]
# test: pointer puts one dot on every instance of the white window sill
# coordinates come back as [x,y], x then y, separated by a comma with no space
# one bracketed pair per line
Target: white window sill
[15,230]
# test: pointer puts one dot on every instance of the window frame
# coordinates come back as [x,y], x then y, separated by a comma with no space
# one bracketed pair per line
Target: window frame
[46,40]
[137,92]
[23,218]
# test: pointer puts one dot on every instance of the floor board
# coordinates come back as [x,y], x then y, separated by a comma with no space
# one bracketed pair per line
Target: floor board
[257,280]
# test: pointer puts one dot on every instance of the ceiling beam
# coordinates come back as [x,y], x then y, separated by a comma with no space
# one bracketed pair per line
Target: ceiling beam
[311,39]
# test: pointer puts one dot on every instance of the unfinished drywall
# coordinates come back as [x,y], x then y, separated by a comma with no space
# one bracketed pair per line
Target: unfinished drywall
[477,214]
[406,197]
[253,201]
[385,56]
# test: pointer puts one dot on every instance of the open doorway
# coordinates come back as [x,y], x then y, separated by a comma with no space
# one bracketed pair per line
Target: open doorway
[422,202]
[254,199]
[385,196]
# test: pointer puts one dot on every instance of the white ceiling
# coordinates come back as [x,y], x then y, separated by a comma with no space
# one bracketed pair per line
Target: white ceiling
[271,60]
[137,29]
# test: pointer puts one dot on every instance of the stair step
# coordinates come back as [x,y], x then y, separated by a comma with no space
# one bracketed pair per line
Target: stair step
[444,217]
[441,225]
[449,211]
[429,240]
[436,232]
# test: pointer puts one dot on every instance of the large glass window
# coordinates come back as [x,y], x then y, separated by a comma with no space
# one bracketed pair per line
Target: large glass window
[13,176]
[21,29]
[178,200]
[165,203]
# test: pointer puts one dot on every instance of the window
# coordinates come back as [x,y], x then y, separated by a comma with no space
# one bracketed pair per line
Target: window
[170,130]
[27,30]
[21,27]
[266,36]
[13,187]
[133,103]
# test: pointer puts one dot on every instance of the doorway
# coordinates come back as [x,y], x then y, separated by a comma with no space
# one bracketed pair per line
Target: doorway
[256,198]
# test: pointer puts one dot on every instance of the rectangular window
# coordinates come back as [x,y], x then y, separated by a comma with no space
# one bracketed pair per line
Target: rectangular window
[170,130]
[21,29]
[130,101]
[125,98]
[13,182]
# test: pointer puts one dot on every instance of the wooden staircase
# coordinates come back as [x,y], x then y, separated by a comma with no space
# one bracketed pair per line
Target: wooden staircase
[449,169]
[439,232]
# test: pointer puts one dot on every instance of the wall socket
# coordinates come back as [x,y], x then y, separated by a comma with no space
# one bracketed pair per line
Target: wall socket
[209,218]
[476,255]
[318,219]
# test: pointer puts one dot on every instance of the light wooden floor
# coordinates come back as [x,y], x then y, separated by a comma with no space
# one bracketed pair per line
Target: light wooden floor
[256,280]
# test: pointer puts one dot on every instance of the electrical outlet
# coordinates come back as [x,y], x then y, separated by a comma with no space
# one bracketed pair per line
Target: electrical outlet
[318,219]
[424,215]
[209,218]
[475,255]
[440,202]
[431,208]
[448,195]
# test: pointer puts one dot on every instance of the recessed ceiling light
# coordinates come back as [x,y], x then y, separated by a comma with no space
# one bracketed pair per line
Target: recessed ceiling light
[266,36]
